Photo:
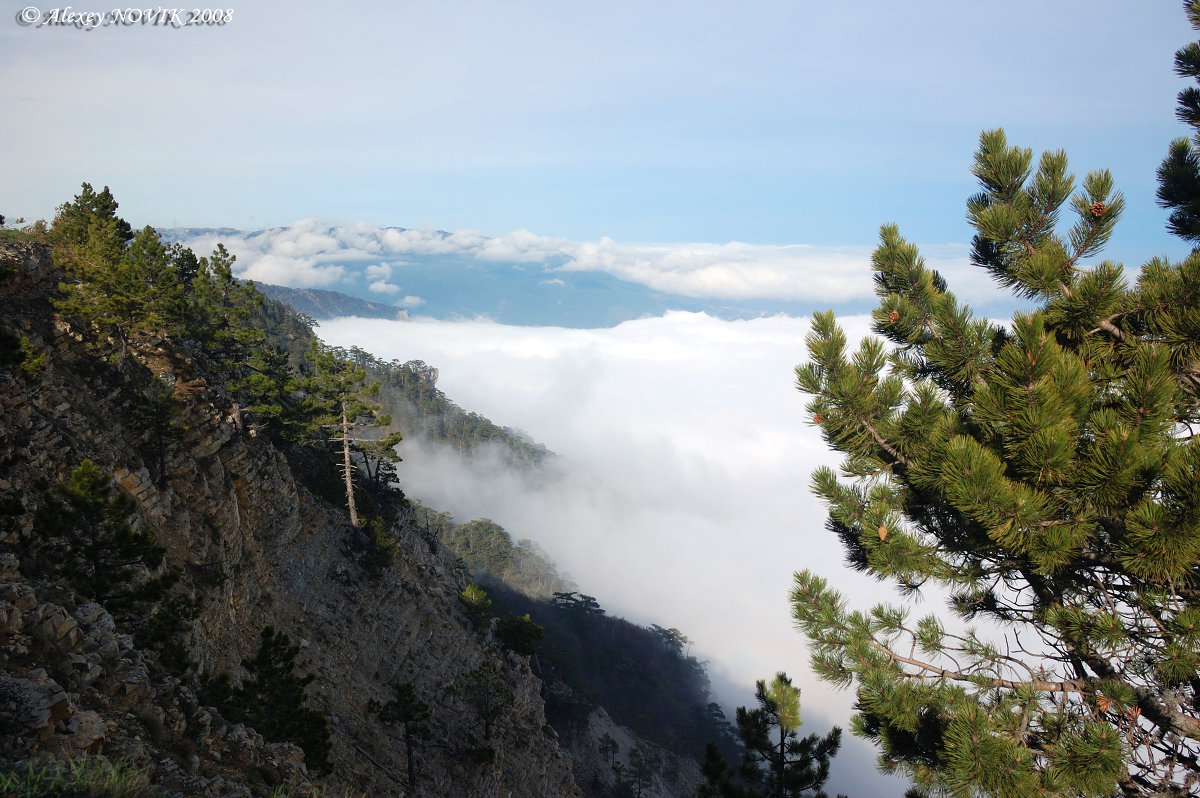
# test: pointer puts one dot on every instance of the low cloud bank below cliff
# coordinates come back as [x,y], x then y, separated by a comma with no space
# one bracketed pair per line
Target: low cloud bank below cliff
[680,494]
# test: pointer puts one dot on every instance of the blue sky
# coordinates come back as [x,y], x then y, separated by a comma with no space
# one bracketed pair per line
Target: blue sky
[764,122]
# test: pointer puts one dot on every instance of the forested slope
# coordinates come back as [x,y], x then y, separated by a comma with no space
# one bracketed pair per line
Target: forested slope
[183,586]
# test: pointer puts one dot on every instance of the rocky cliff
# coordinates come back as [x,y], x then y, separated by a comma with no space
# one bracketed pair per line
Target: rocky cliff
[254,548]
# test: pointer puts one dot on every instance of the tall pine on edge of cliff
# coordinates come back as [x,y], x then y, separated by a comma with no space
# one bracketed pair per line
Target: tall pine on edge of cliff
[1044,474]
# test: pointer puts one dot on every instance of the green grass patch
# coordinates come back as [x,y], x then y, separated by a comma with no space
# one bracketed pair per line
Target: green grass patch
[89,777]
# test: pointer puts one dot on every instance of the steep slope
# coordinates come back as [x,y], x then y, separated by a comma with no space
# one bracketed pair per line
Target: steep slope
[629,703]
[255,548]
[409,393]
[321,304]
[661,715]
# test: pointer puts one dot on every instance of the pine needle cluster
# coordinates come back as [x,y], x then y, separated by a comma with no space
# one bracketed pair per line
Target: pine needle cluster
[1044,473]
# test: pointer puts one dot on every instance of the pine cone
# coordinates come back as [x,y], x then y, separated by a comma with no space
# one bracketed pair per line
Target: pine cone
[893,316]
[1098,209]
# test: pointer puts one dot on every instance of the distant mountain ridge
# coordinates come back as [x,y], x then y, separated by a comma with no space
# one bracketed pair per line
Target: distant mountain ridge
[440,277]
[321,304]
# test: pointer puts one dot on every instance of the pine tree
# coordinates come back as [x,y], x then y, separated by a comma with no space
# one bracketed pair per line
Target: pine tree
[609,748]
[340,400]
[115,290]
[518,633]
[488,697]
[1044,474]
[272,699]
[378,454]
[411,714]
[477,605]
[220,313]
[73,220]
[1179,175]
[119,283]
[644,764]
[83,535]
[156,412]
[776,761]
[718,778]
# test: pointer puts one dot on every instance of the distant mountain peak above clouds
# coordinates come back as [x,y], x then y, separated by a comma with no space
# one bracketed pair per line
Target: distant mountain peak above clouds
[528,279]
[322,304]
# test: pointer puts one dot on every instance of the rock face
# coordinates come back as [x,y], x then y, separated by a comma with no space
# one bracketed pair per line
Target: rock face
[598,771]
[258,550]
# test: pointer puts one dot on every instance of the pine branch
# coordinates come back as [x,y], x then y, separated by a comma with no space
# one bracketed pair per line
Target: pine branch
[883,444]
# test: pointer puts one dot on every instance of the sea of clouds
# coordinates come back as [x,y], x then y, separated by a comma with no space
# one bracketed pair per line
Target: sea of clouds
[680,492]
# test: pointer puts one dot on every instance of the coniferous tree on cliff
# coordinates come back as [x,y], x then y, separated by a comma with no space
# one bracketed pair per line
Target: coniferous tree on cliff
[776,761]
[1044,474]
[340,400]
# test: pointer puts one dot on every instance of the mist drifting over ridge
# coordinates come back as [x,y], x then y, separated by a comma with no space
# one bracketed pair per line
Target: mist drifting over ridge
[680,492]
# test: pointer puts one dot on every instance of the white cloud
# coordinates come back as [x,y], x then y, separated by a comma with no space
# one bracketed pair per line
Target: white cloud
[682,496]
[296,272]
[309,253]
[379,271]
[431,242]
[289,256]
[363,236]
[523,246]
[411,302]
[734,270]
[740,271]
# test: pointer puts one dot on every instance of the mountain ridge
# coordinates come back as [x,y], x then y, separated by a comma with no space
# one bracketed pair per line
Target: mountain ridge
[446,279]
[254,540]
[253,547]
[320,303]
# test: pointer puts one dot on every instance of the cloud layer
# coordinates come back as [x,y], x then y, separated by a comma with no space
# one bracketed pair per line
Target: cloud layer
[681,496]
[310,253]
